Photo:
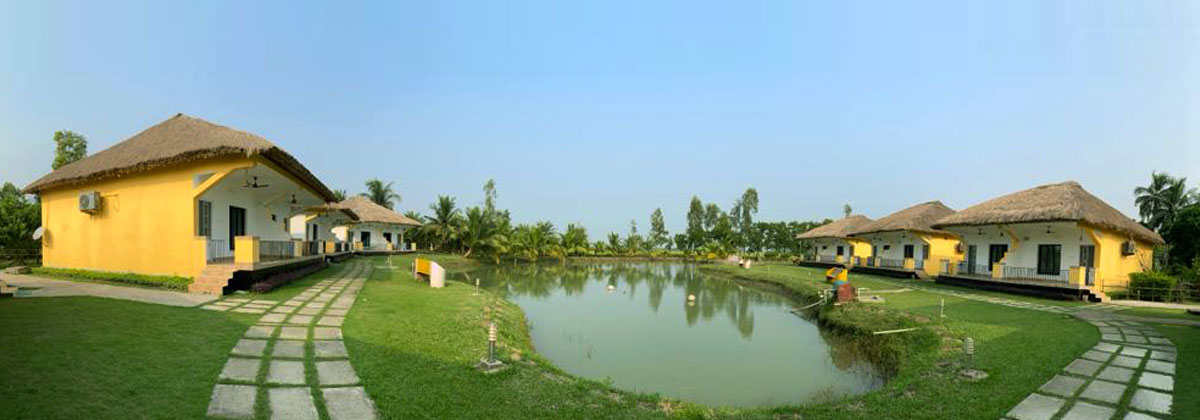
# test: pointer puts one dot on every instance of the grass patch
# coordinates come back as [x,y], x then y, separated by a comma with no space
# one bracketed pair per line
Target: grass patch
[1159,313]
[165,282]
[87,358]
[1187,369]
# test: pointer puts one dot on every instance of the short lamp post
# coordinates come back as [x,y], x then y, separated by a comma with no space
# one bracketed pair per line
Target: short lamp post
[489,363]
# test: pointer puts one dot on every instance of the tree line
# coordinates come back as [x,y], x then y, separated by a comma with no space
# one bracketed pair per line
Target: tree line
[486,231]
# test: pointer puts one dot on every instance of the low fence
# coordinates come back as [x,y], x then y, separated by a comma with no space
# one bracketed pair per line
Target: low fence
[1182,292]
[218,250]
[889,262]
[13,257]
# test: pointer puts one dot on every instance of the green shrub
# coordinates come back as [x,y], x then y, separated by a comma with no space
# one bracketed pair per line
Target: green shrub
[166,282]
[1152,285]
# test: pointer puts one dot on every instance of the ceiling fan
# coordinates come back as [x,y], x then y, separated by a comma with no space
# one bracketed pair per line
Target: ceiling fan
[254,184]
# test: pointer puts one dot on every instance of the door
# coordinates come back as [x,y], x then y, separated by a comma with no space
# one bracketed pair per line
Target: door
[366,239]
[996,253]
[1087,261]
[971,259]
[237,224]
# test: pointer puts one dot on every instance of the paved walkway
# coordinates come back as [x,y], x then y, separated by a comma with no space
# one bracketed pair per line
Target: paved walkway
[34,286]
[295,356]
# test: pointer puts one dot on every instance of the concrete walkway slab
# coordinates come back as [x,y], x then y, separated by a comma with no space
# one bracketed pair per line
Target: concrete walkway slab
[286,372]
[1062,385]
[239,369]
[292,404]
[233,401]
[338,372]
[250,347]
[1151,401]
[330,348]
[1036,407]
[348,404]
[1085,411]
[48,287]
[288,349]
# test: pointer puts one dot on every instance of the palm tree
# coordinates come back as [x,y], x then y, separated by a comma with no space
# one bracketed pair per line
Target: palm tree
[381,193]
[481,230]
[575,240]
[339,195]
[1165,197]
[445,225]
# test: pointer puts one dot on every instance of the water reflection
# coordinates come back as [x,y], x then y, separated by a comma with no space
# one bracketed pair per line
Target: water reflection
[644,334]
[712,298]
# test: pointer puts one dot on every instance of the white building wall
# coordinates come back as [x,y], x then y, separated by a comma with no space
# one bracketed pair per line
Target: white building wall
[258,216]
[890,245]
[353,233]
[1028,236]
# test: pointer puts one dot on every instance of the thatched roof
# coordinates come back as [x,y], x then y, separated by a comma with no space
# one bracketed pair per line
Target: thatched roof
[1060,202]
[840,229]
[368,211]
[918,218]
[177,140]
[333,207]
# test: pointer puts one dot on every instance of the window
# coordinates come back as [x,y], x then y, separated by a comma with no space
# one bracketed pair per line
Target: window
[1049,257]
[204,227]
[287,224]
[925,252]
[840,249]
[908,251]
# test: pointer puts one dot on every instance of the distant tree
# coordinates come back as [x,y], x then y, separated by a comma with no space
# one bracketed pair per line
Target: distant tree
[444,226]
[380,193]
[614,242]
[489,195]
[712,213]
[846,210]
[1159,202]
[658,229]
[1184,236]
[19,217]
[340,196]
[695,224]
[743,216]
[575,240]
[69,146]
[633,242]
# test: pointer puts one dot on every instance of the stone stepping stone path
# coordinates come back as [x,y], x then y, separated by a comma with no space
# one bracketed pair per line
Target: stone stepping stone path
[241,305]
[1129,374]
[294,360]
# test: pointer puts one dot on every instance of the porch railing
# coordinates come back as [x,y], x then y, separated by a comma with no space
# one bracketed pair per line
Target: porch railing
[218,250]
[967,269]
[890,262]
[826,258]
[276,250]
[311,248]
[1027,273]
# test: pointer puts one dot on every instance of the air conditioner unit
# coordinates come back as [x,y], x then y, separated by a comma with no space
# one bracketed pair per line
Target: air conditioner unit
[1128,248]
[89,202]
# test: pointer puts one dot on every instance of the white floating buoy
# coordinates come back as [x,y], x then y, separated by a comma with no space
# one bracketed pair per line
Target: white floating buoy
[691,298]
[611,287]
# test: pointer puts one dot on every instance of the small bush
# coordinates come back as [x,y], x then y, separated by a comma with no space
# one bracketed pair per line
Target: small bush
[166,282]
[1152,285]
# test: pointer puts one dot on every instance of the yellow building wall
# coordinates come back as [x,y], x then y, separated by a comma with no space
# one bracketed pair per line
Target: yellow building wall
[1112,268]
[146,223]
[941,247]
[862,249]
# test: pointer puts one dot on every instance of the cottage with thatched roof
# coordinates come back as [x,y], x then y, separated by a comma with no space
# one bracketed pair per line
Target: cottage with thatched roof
[1056,234]
[905,243]
[315,225]
[832,244]
[185,197]
[378,228]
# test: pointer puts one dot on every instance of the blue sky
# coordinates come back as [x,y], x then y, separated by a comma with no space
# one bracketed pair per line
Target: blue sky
[598,112]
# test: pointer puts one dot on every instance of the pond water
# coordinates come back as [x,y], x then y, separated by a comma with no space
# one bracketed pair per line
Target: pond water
[734,346]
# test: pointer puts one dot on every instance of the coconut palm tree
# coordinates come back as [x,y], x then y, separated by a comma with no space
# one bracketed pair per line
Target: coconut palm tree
[445,225]
[381,193]
[339,195]
[575,240]
[481,230]
[1159,202]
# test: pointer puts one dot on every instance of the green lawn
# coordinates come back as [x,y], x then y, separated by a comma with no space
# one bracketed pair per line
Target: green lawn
[1160,313]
